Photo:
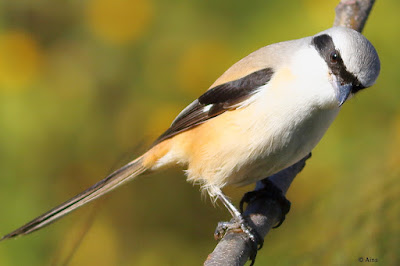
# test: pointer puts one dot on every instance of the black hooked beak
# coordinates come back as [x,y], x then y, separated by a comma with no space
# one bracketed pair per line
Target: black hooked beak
[344,90]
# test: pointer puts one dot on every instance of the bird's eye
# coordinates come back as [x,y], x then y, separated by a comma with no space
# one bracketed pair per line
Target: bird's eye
[334,57]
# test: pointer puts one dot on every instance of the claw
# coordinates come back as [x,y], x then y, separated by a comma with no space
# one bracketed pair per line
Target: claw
[223,228]
[239,225]
[269,191]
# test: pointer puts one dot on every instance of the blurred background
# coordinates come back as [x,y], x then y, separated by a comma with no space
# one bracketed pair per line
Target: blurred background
[85,86]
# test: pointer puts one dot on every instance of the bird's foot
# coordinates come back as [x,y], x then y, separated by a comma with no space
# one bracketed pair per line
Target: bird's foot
[240,225]
[269,191]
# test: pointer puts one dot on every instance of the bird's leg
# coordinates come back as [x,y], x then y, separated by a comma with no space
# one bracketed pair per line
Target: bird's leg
[239,224]
[270,191]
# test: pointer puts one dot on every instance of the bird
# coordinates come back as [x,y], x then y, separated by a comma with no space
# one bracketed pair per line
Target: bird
[262,115]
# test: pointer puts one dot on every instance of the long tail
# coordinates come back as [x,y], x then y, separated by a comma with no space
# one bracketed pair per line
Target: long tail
[112,181]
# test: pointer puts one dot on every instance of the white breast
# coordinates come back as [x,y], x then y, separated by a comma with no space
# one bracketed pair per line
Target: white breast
[282,124]
[284,132]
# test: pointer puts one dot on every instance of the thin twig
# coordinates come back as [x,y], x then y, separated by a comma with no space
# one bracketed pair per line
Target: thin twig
[263,213]
[353,13]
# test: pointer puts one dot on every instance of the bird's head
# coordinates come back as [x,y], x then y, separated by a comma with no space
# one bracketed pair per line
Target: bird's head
[352,61]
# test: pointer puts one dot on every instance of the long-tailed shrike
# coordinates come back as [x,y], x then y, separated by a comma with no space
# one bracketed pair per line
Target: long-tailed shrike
[265,113]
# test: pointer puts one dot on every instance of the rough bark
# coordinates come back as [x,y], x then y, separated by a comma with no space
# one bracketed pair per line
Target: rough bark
[353,13]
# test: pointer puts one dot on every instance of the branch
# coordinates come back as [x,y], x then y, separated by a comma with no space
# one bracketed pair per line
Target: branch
[235,248]
[353,13]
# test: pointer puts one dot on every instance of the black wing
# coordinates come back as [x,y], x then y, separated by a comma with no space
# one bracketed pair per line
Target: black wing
[216,101]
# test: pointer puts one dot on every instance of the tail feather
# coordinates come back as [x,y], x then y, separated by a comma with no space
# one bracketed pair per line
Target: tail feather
[112,181]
